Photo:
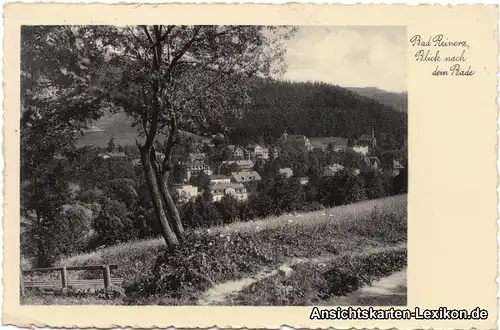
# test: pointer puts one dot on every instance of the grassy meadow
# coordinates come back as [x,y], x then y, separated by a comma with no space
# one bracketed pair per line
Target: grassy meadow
[362,241]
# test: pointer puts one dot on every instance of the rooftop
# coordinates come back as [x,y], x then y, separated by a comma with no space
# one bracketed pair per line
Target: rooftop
[245,176]
[224,186]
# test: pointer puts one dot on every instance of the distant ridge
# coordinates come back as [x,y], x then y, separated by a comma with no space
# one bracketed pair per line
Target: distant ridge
[399,101]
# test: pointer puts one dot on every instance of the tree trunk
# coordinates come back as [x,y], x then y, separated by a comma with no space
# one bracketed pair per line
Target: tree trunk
[168,203]
[149,173]
[170,206]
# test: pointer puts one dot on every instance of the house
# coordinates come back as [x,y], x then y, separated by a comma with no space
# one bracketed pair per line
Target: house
[304,180]
[257,151]
[245,176]
[207,142]
[331,170]
[195,168]
[236,190]
[286,171]
[214,179]
[393,169]
[237,152]
[242,163]
[339,143]
[361,149]
[187,192]
[397,167]
[367,140]
[356,171]
[200,157]
[297,139]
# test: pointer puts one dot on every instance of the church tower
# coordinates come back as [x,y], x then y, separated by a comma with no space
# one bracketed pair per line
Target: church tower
[373,139]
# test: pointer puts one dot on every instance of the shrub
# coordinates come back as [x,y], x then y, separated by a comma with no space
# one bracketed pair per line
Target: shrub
[113,225]
[74,227]
[200,262]
[229,209]
[123,190]
[343,188]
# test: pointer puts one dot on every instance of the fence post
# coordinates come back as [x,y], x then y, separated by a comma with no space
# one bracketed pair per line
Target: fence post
[22,281]
[107,276]
[64,277]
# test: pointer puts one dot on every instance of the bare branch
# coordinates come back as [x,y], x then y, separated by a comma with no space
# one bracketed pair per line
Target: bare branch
[183,51]
[145,28]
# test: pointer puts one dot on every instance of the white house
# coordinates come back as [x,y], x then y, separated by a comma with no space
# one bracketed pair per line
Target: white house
[244,164]
[187,192]
[297,139]
[237,190]
[238,152]
[194,168]
[304,180]
[361,149]
[333,169]
[257,151]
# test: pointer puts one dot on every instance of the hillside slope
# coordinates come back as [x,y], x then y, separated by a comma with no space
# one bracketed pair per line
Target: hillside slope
[312,109]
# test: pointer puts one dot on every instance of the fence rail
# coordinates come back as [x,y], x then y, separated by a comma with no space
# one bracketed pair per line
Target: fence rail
[107,280]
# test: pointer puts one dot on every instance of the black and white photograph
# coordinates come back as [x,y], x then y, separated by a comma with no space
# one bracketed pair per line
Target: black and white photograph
[213,165]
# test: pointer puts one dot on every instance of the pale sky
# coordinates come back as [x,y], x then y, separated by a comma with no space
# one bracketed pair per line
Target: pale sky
[349,56]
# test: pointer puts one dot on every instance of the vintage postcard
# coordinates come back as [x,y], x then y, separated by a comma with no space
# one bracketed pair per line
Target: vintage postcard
[250,166]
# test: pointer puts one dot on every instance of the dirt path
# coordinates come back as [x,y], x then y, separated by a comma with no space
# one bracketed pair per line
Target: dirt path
[388,291]
[218,294]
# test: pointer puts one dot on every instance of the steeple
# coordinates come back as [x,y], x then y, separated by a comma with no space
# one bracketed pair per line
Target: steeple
[374,140]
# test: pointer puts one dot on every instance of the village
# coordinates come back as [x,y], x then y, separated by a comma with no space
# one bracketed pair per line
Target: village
[232,175]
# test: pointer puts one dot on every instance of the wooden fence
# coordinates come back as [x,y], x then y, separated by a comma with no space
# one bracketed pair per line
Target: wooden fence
[63,282]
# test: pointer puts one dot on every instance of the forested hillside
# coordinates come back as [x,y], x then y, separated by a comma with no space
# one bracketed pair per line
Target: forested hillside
[312,109]
[316,109]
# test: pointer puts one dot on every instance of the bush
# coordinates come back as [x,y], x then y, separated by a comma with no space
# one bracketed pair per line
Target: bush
[74,228]
[229,209]
[200,262]
[64,231]
[343,188]
[201,213]
[113,225]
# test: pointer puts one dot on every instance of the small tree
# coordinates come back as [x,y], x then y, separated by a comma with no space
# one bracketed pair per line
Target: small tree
[201,180]
[113,225]
[229,209]
[111,145]
[342,188]
[374,184]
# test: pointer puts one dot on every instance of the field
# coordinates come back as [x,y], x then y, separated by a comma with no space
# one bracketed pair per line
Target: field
[366,241]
